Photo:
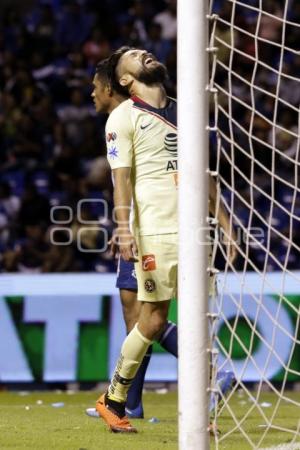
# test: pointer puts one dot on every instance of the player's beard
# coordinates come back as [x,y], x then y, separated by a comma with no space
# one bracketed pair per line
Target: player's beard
[156,74]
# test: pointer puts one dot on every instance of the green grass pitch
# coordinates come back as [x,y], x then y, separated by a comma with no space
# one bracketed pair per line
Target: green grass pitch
[31,422]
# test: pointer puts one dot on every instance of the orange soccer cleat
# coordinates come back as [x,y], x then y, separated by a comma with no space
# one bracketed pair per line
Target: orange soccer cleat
[115,423]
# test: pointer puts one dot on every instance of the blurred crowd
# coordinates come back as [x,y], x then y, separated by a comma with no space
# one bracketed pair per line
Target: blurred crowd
[52,149]
[258,78]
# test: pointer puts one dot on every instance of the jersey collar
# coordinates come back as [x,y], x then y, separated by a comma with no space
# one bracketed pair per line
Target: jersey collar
[141,102]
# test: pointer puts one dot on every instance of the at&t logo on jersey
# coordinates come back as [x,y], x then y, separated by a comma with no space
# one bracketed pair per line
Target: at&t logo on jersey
[171,147]
[172,165]
[148,263]
[171,144]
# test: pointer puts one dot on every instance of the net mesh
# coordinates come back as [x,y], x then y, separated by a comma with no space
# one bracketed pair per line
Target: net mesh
[255,142]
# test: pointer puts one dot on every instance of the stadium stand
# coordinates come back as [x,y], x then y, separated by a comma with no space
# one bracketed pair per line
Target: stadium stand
[52,149]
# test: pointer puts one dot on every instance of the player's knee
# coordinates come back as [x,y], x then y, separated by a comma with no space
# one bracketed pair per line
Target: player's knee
[153,318]
[157,323]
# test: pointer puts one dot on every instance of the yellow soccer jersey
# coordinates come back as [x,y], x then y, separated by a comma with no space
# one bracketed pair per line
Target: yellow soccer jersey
[145,139]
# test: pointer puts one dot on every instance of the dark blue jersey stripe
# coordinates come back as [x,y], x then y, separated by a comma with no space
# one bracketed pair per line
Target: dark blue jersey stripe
[169,113]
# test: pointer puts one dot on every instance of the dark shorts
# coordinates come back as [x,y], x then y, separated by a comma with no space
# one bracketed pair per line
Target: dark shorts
[126,277]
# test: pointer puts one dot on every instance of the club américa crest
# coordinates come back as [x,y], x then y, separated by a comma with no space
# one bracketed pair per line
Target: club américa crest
[150,285]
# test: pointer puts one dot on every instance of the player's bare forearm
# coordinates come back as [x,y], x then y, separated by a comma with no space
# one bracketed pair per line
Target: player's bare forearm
[122,206]
[122,195]
[216,208]
[212,196]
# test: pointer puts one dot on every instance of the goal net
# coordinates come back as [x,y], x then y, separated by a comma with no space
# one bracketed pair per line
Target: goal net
[254,89]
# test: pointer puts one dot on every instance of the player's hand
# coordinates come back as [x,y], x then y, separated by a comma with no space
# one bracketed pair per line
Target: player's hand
[230,242]
[127,245]
[231,252]
[113,244]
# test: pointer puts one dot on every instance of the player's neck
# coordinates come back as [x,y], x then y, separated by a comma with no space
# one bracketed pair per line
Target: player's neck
[115,101]
[154,95]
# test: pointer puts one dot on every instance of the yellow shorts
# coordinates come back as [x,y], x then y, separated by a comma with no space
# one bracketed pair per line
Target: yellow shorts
[156,270]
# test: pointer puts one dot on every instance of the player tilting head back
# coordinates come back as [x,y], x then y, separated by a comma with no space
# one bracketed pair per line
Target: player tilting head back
[142,151]
[140,74]
[106,99]
[128,65]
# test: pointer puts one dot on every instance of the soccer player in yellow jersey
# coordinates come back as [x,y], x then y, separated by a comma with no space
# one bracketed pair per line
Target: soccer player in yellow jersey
[141,148]
[106,99]
[142,151]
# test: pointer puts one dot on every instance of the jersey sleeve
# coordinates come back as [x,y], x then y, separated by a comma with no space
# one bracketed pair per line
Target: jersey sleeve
[119,138]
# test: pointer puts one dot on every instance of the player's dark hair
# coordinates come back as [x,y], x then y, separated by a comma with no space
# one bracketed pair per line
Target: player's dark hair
[102,71]
[112,65]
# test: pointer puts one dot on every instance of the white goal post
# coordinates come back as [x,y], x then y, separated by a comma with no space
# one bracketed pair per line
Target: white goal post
[247,107]
[193,212]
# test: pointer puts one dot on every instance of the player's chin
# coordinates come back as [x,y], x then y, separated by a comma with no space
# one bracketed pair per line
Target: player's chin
[98,108]
[157,73]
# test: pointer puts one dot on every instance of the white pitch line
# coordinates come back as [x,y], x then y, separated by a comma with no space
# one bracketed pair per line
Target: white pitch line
[283,447]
